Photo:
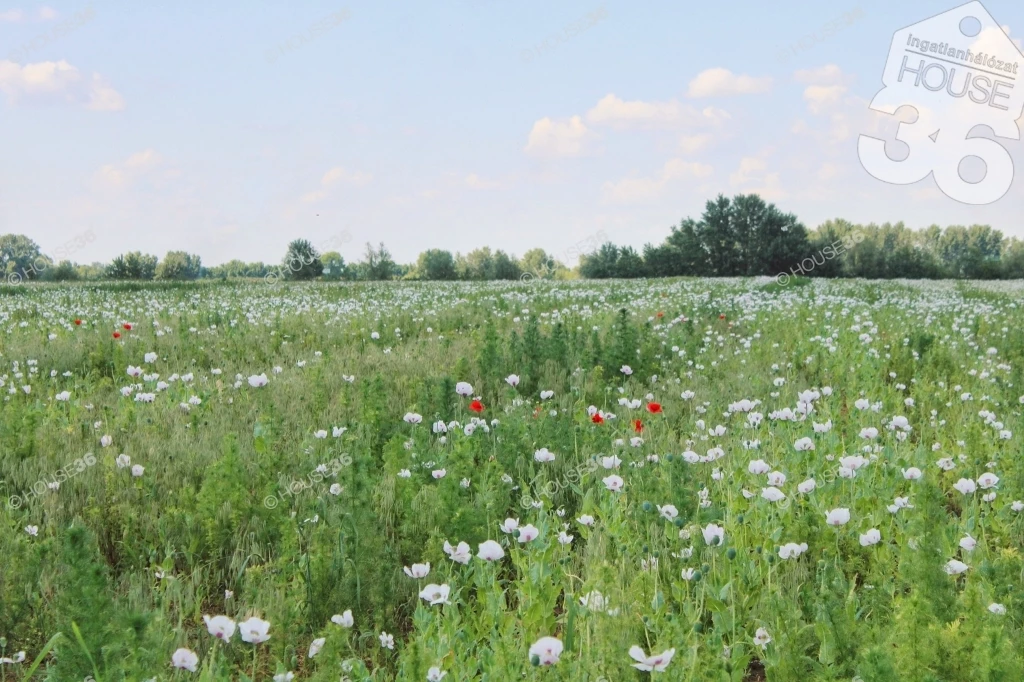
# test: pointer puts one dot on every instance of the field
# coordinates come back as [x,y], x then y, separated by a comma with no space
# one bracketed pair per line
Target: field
[676,479]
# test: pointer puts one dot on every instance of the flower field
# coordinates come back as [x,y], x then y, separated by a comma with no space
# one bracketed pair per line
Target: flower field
[574,481]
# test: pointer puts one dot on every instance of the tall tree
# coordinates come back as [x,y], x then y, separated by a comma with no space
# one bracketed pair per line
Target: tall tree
[302,261]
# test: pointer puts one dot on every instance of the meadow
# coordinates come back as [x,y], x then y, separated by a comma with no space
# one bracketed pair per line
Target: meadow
[578,481]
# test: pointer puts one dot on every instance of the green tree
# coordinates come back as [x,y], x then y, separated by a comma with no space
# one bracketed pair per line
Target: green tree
[436,264]
[478,264]
[302,261]
[334,266]
[21,259]
[601,264]
[506,267]
[133,265]
[377,264]
[538,263]
[64,272]
[179,265]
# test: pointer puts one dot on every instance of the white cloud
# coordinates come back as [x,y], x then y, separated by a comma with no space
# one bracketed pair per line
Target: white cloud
[752,177]
[333,177]
[830,74]
[474,181]
[121,175]
[1017,41]
[47,13]
[691,144]
[631,190]
[12,16]
[719,82]
[57,81]
[616,112]
[339,174]
[558,138]
[823,97]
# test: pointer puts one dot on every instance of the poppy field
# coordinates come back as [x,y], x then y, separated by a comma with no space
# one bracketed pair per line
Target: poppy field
[549,481]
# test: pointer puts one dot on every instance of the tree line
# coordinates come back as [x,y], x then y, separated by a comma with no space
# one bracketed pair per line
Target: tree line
[738,237]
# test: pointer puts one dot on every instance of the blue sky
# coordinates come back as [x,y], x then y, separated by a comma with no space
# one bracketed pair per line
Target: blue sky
[453,124]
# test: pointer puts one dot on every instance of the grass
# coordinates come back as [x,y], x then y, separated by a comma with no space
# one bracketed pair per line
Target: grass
[297,500]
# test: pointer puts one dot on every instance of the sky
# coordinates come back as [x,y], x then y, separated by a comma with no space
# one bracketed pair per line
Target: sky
[228,129]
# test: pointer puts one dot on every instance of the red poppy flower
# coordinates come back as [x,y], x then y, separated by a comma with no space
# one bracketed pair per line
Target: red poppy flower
[654,408]
[127,326]
[597,419]
[476,406]
[722,316]
[638,426]
[117,335]
[660,314]
[78,322]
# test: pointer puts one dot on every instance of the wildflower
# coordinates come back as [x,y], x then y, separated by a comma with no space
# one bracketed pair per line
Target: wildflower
[792,550]
[528,532]
[386,641]
[652,663]
[965,486]
[460,554]
[988,480]
[258,380]
[872,537]
[412,418]
[713,534]
[417,570]
[463,389]
[316,645]
[546,651]
[626,369]
[508,525]
[838,517]
[803,444]
[762,638]
[220,627]
[344,620]
[912,474]
[654,408]
[613,483]
[438,474]
[435,674]
[544,455]
[954,567]
[967,543]
[32,530]
[807,486]
[490,551]
[435,594]
[612,462]
[138,470]
[586,520]
[997,609]
[773,494]
[668,511]
[758,467]
[254,630]
[185,659]
[476,406]
[512,380]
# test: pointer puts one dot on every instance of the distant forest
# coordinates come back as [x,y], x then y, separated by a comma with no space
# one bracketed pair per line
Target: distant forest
[738,237]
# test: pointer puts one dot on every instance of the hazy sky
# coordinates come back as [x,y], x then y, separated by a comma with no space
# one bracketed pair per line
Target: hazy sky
[228,128]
